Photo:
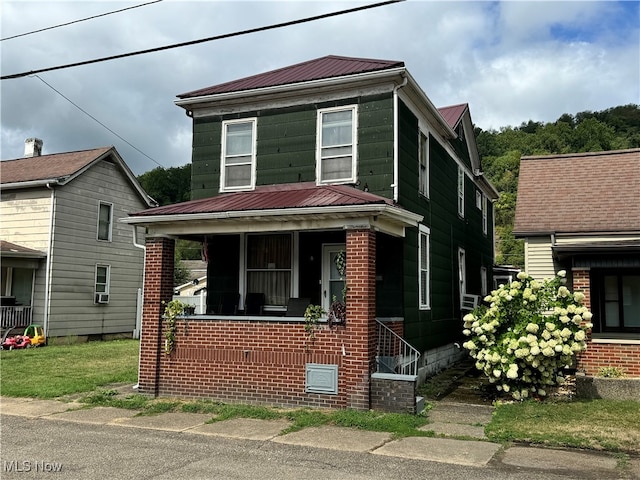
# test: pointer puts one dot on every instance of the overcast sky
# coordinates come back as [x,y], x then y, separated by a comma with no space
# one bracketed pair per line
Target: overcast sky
[511,61]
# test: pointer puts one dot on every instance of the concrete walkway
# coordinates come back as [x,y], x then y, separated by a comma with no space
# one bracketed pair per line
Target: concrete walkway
[459,429]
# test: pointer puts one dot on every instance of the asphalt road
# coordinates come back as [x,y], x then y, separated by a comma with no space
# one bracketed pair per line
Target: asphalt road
[33,448]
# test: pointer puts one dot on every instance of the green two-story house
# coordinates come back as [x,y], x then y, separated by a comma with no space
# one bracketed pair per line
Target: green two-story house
[333,182]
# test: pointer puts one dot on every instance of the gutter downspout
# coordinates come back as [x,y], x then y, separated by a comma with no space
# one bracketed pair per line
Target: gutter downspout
[396,142]
[144,269]
[48,269]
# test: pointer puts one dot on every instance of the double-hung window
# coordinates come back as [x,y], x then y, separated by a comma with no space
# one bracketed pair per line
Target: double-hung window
[102,280]
[423,267]
[237,169]
[460,192]
[423,174]
[337,145]
[105,221]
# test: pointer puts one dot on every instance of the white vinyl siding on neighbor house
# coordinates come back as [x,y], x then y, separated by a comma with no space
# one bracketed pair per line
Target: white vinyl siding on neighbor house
[423,173]
[238,162]
[424,267]
[538,257]
[460,192]
[76,252]
[336,151]
[26,216]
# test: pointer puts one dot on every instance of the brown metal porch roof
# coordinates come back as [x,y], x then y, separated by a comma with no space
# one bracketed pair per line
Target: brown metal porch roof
[273,197]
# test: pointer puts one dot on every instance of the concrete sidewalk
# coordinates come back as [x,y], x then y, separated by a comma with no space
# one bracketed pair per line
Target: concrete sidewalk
[448,420]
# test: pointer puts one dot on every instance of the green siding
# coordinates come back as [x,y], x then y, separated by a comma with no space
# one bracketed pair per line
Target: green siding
[286,146]
[426,329]
[205,164]
[286,151]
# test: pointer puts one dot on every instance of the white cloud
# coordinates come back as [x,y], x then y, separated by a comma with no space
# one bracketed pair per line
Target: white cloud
[512,61]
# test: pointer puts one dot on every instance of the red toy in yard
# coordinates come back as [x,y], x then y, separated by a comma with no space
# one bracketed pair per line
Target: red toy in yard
[22,337]
[19,341]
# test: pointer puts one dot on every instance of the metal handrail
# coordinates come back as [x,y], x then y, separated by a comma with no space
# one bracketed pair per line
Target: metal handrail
[394,354]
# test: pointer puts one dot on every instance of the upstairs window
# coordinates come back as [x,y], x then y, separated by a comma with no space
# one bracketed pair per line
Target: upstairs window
[237,170]
[105,221]
[423,174]
[336,153]
[460,191]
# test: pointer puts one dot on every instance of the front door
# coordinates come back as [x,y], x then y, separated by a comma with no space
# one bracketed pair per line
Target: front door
[333,280]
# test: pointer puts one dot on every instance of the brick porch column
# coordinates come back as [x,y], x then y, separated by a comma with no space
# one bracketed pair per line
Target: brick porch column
[361,315]
[158,287]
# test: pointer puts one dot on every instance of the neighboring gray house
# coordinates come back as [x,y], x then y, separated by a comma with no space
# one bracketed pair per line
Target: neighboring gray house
[67,263]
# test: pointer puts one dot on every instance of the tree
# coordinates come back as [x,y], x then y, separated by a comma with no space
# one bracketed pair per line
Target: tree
[167,186]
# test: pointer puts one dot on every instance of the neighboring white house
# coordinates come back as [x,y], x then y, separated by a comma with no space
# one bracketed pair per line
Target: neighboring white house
[67,263]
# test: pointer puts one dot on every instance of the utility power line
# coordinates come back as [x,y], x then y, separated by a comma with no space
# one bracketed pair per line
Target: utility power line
[78,21]
[98,121]
[203,40]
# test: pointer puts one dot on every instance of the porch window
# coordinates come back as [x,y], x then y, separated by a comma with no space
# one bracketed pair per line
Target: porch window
[460,191]
[237,171]
[269,267]
[620,302]
[336,154]
[102,284]
[423,273]
[423,174]
[105,221]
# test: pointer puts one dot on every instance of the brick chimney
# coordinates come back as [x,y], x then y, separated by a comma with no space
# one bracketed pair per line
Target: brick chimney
[32,147]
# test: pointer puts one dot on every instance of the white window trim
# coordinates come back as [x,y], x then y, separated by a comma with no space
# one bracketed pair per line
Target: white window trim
[95,281]
[424,303]
[242,287]
[462,272]
[485,215]
[223,155]
[423,187]
[460,188]
[110,233]
[354,149]
[484,281]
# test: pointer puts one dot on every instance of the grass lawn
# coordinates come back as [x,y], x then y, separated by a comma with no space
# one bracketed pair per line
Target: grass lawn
[59,370]
[593,424]
[56,370]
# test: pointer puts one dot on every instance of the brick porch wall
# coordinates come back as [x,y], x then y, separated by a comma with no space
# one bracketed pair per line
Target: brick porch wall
[259,361]
[625,356]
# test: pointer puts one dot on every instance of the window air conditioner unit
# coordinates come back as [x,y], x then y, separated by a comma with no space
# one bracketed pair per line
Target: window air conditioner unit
[102,298]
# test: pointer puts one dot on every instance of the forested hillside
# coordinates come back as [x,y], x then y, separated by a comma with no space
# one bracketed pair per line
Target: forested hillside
[500,151]
[612,129]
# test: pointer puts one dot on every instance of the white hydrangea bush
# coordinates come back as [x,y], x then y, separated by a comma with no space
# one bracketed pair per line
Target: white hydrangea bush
[527,333]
